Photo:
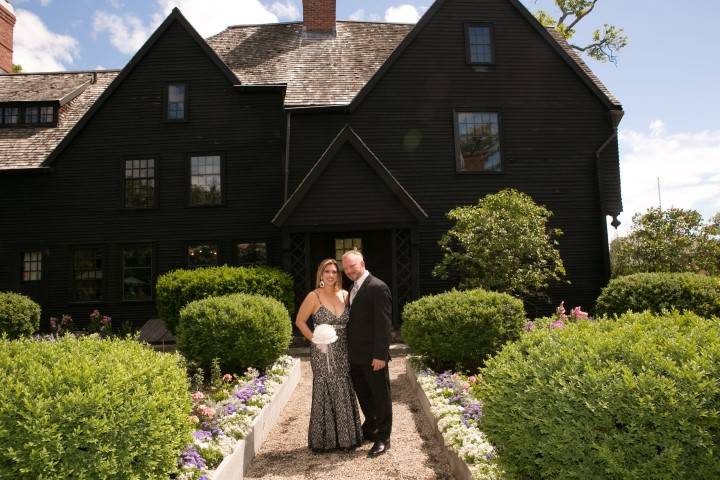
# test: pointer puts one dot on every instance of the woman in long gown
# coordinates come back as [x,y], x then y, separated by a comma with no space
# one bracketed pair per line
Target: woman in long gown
[334,415]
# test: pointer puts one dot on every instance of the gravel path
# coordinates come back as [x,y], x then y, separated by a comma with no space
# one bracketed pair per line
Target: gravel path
[414,452]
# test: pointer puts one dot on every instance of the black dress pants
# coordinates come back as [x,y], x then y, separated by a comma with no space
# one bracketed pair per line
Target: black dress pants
[373,392]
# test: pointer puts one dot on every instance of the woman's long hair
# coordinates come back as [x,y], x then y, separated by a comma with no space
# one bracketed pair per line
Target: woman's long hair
[321,269]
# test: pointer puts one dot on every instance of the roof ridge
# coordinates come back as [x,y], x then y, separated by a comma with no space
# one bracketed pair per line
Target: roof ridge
[300,22]
[61,72]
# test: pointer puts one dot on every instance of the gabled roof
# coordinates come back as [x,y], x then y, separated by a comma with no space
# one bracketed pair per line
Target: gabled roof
[555,40]
[317,70]
[347,135]
[28,147]
[56,87]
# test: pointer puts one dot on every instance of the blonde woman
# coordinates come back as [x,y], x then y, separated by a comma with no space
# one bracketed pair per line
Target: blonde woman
[334,414]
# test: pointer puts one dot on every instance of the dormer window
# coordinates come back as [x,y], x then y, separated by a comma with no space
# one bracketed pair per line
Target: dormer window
[27,115]
[176,102]
[479,44]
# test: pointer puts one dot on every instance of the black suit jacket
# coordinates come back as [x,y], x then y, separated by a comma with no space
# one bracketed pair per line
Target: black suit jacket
[368,331]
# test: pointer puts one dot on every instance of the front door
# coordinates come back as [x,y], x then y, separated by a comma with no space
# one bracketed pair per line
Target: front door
[375,245]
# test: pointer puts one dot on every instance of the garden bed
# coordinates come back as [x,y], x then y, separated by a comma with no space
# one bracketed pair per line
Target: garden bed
[468,452]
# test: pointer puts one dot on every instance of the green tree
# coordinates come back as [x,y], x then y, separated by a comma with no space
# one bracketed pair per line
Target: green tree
[502,244]
[672,240]
[16,68]
[606,42]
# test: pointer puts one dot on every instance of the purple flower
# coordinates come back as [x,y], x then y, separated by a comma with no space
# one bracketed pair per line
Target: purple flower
[472,413]
[202,435]
[192,458]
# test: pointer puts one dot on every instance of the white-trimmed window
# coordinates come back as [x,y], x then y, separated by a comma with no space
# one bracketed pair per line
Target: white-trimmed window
[477,140]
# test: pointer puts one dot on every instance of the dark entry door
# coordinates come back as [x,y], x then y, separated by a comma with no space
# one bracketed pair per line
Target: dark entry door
[376,247]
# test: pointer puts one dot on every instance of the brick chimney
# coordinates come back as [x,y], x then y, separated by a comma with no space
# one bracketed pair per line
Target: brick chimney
[319,17]
[7,23]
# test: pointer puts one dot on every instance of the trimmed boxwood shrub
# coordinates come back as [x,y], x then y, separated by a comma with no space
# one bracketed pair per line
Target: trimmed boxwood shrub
[177,288]
[460,329]
[19,316]
[91,408]
[661,291]
[240,330]
[631,398]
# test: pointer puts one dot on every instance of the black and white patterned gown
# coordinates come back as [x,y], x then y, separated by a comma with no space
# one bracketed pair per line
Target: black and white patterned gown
[334,414]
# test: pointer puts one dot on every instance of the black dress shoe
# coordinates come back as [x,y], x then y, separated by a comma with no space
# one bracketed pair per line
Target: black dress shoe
[379,447]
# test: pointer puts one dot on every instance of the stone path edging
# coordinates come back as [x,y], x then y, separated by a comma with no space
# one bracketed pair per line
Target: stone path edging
[459,468]
[234,466]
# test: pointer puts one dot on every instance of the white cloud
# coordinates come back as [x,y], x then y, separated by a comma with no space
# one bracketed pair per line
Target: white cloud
[45,3]
[127,33]
[402,14]
[38,49]
[212,16]
[287,11]
[688,165]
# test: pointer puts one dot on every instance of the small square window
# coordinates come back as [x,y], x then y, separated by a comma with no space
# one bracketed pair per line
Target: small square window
[47,114]
[176,101]
[206,180]
[32,115]
[252,253]
[32,266]
[10,115]
[205,255]
[478,141]
[479,45]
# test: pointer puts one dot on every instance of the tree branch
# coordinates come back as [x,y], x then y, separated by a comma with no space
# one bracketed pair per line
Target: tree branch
[582,15]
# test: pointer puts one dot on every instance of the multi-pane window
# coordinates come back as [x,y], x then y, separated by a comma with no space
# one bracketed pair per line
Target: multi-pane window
[47,114]
[478,141]
[139,183]
[205,180]
[479,45]
[252,253]
[9,115]
[342,245]
[137,272]
[88,274]
[32,266]
[32,115]
[205,255]
[176,102]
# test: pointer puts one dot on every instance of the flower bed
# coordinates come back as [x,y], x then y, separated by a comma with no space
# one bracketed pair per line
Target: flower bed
[451,407]
[232,421]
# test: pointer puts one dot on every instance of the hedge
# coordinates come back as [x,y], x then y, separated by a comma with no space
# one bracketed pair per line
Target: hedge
[460,329]
[19,315]
[91,408]
[631,398]
[240,330]
[177,288]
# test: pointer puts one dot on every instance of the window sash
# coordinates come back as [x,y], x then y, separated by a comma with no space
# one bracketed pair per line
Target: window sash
[176,100]
[47,114]
[139,183]
[206,180]
[10,115]
[478,141]
[202,255]
[32,266]
[32,115]
[479,44]
[88,274]
[252,253]
[137,273]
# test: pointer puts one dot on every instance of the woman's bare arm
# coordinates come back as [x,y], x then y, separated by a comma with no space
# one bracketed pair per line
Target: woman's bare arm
[306,309]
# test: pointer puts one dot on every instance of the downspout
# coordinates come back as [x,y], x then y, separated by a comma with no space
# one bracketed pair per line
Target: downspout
[286,166]
[615,117]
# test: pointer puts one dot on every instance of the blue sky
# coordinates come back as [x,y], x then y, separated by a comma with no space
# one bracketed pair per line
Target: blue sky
[667,77]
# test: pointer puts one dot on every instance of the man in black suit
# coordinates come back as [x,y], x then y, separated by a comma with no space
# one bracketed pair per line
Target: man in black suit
[368,334]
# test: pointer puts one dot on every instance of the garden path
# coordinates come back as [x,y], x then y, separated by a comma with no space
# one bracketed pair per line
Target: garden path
[415,454]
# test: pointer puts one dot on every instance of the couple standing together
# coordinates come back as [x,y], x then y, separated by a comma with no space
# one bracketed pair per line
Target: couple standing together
[356,364]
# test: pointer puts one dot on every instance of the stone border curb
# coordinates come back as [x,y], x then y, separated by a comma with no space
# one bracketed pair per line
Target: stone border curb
[459,468]
[233,466]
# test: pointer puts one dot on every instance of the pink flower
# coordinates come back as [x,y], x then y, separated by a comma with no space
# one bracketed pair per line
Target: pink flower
[529,326]
[198,396]
[227,377]
[557,324]
[53,322]
[561,309]
[465,386]
[105,319]
[206,411]
[578,313]
[472,379]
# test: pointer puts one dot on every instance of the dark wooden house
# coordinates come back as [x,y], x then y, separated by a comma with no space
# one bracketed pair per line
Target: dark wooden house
[288,143]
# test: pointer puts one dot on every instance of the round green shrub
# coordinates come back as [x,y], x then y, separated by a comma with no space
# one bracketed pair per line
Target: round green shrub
[19,316]
[460,329]
[661,291]
[635,397]
[177,288]
[91,408]
[240,330]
